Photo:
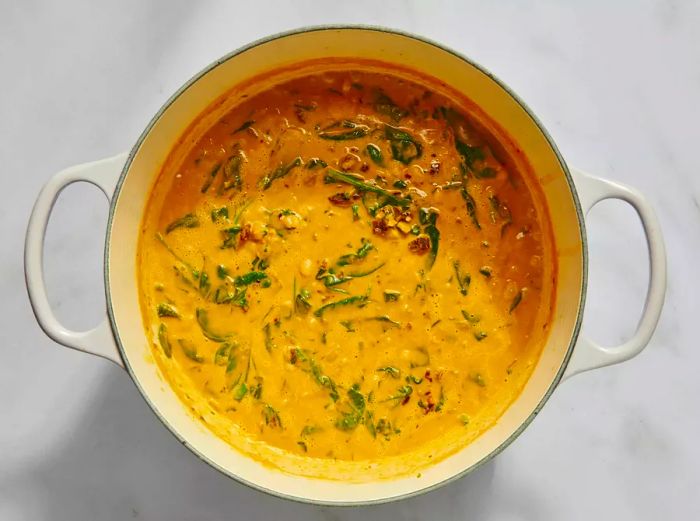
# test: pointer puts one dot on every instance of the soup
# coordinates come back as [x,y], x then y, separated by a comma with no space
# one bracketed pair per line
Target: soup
[346,270]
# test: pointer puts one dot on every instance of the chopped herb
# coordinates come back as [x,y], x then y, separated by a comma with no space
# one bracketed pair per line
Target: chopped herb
[391,371]
[402,396]
[471,206]
[232,361]
[166,310]
[428,217]
[441,400]
[232,174]
[203,321]
[164,341]
[423,359]
[404,148]
[301,356]
[391,295]
[360,183]
[485,173]
[361,253]
[303,446]
[400,183]
[477,379]
[480,335]
[462,280]
[516,300]
[347,324]
[415,229]
[411,379]
[221,357]
[385,318]
[309,430]
[245,125]
[218,214]
[383,104]
[470,154]
[240,391]
[356,404]
[238,297]
[464,419]
[355,212]
[271,416]
[189,220]
[375,154]
[471,318]
[221,271]
[210,178]
[279,173]
[486,271]
[315,162]
[344,131]
[250,278]
[190,350]
[359,300]
[231,236]
[301,301]
[269,345]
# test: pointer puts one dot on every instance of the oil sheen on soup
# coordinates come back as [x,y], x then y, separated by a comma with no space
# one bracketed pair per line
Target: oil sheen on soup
[346,267]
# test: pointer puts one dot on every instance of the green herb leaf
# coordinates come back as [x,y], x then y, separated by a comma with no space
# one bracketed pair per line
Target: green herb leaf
[477,379]
[471,206]
[486,271]
[190,350]
[203,321]
[516,300]
[250,278]
[315,162]
[480,335]
[383,104]
[404,148]
[271,417]
[471,318]
[308,363]
[344,131]
[391,296]
[375,154]
[269,345]
[355,212]
[221,357]
[485,173]
[221,271]
[385,318]
[166,310]
[232,174]
[462,280]
[164,341]
[279,173]
[358,300]
[210,178]
[189,220]
[245,125]
[470,154]
[219,214]
[240,391]
[391,371]
[360,183]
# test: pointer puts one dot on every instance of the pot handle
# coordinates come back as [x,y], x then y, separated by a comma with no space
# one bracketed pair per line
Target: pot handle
[98,341]
[588,354]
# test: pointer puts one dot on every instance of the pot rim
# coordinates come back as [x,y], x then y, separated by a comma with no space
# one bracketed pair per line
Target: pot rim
[584,276]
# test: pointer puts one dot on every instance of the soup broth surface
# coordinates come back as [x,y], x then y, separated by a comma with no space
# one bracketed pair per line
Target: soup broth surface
[346,267]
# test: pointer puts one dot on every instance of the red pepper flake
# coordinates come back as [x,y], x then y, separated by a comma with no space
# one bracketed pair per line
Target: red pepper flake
[364,167]
[300,115]
[427,376]
[406,399]
[293,356]
[246,234]
[419,245]
[435,166]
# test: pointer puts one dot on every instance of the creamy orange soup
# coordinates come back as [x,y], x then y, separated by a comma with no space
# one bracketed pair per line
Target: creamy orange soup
[348,266]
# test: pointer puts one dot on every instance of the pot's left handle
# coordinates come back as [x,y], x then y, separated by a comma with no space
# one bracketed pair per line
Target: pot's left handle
[98,341]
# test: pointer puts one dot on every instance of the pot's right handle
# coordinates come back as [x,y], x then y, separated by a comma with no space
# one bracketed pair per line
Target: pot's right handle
[100,340]
[588,354]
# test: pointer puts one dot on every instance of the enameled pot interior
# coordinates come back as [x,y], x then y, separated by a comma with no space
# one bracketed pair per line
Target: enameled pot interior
[285,50]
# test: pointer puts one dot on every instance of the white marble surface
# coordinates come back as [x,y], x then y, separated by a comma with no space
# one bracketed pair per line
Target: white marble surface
[617,86]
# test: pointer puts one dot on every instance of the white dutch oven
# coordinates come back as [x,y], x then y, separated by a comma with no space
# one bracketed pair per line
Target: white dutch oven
[127,178]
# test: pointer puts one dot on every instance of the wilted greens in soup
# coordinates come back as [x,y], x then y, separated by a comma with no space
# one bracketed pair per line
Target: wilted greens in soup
[346,267]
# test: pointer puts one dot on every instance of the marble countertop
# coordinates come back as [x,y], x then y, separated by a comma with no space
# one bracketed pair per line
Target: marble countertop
[616,83]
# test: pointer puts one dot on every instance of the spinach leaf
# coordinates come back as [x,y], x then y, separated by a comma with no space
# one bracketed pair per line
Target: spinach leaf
[359,300]
[210,178]
[189,220]
[166,310]
[279,173]
[344,131]
[203,321]
[190,350]
[362,184]
[375,154]
[164,341]
[404,147]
